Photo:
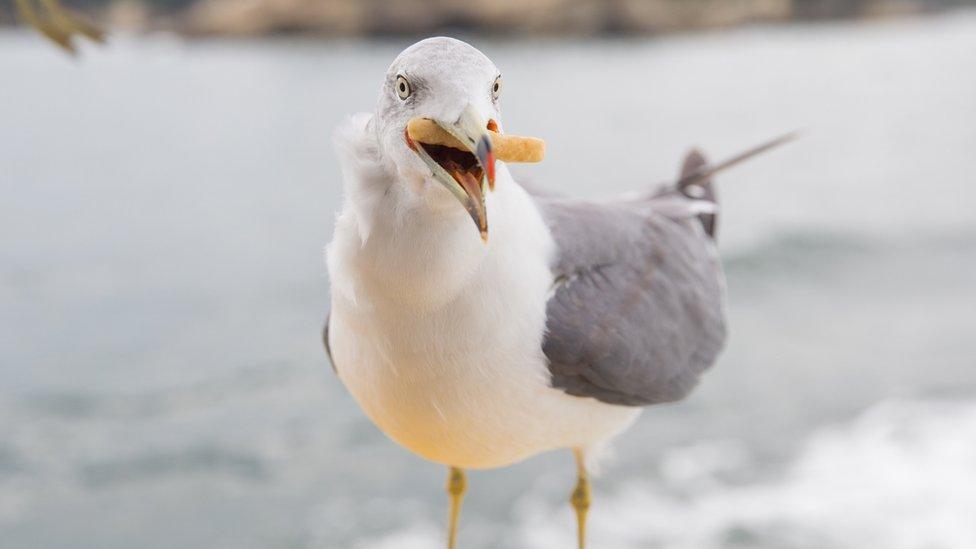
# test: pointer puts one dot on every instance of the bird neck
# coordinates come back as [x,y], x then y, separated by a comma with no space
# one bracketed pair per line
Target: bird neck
[413,254]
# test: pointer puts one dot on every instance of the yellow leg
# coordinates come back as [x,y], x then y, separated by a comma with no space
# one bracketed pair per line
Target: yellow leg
[581,497]
[457,484]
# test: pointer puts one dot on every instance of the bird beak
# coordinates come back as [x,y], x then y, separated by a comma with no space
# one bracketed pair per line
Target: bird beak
[463,172]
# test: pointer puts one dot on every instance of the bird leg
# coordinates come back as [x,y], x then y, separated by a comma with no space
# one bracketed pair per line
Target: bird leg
[457,484]
[581,497]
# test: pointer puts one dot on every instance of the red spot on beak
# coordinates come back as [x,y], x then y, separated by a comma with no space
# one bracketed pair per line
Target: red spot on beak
[490,170]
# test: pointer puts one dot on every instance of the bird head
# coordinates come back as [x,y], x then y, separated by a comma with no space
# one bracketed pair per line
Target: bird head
[455,86]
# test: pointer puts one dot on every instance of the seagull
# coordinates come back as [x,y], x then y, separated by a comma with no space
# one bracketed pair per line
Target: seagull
[547,325]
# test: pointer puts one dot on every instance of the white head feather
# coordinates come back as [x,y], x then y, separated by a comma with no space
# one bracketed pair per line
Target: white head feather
[444,75]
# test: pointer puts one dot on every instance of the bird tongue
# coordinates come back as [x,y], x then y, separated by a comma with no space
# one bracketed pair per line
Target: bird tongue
[476,204]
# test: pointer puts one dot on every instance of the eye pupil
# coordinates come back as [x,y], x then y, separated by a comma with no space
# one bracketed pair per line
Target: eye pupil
[402,88]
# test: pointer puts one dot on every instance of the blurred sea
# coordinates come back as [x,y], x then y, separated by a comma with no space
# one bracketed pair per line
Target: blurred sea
[163,209]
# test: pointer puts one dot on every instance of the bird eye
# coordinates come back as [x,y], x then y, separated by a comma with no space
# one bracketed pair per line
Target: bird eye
[496,88]
[402,87]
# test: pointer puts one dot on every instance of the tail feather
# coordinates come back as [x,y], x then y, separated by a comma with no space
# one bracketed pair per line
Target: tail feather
[695,181]
[693,194]
[698,188]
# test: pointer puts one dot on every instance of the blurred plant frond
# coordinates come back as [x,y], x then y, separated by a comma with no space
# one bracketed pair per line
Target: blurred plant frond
[57,23]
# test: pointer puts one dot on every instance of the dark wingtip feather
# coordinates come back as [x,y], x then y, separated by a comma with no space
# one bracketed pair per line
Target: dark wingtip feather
[325,340]
[701,189]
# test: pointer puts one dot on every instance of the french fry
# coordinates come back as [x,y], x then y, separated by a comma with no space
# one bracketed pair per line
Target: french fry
[507,148]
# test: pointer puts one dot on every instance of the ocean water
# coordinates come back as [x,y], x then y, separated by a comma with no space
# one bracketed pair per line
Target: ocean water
[163,209]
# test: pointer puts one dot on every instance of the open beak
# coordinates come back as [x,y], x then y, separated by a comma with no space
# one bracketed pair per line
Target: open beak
[463,172]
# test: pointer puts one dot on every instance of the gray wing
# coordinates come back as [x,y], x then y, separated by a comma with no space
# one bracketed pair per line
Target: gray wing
[637,313]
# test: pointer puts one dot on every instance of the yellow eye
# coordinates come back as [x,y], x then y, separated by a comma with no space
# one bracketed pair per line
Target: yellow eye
[496,88]
[402,87]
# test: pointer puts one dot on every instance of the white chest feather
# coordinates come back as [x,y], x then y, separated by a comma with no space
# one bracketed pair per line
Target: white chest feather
[438,336]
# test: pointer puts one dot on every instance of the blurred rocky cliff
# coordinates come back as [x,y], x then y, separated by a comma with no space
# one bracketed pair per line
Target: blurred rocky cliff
[506,17]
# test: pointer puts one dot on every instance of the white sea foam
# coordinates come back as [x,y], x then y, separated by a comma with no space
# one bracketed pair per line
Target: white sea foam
[900,476]
[418,536]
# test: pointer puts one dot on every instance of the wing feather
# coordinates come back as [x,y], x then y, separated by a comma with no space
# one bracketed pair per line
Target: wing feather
[637,313]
